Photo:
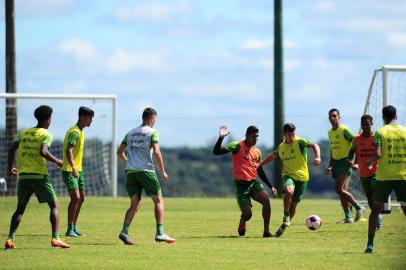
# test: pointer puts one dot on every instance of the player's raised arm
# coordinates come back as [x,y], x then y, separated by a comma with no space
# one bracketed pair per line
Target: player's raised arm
[269,158]
[218,150]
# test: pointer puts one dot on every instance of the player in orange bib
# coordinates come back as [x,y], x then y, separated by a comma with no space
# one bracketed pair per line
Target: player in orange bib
[363,148]
[246,157]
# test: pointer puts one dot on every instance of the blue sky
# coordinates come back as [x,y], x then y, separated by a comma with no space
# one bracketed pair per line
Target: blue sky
[206,63]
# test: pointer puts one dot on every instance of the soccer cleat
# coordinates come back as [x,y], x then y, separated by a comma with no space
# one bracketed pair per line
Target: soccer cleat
[286,221]
[71,233]
[267,234]
[165,238]
[126,239]
[79,233]
[369,249]
[379,222]
[358,213]
[345,221]
[281,230]
[59,243]
[241,229]
[9,244]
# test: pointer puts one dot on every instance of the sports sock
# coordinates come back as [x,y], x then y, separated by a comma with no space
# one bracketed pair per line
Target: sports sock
[159,229]
[357,206]
[11,234]
[286,214]
[71,227]
[55,235]
[371,239]
[348,213]
[125,228]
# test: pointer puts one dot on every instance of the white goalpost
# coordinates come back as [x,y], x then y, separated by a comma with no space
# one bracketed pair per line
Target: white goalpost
[99,158]
[387,87]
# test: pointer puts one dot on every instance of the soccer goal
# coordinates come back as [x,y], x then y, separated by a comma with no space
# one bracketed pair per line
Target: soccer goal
[387,87]
[99,157]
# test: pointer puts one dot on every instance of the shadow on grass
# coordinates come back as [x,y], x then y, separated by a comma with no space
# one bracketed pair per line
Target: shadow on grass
[221,237]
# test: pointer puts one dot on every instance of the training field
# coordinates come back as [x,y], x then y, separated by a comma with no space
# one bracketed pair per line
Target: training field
[205,230]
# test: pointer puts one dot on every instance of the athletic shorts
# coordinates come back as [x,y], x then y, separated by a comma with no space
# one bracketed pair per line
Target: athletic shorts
[137,181]
[384,188]
[38,184]
[340,166]
[72,182]
[244,190]
[368,184]
[300,187]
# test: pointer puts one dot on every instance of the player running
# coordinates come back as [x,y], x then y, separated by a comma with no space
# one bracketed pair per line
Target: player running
[390,152]
[340,137]
[32,144]
[246,157]
[72,174]
[363,148]
[295,174]
[141,143]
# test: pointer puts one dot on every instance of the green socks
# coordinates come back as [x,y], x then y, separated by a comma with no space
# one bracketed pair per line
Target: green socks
[357,206]
[371,239]
[125,228]
[55,235]
[348,213]
[159,229]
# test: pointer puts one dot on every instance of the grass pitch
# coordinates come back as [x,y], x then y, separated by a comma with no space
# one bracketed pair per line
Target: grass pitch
[206,233]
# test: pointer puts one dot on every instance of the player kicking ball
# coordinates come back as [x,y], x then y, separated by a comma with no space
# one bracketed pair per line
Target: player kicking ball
[295,174]
[246,157]
[72,175]
[32,145]
[136,150]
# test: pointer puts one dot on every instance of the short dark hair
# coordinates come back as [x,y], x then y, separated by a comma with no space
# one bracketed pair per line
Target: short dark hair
[288,127]
[366,117]
[252,130]
[42,113]
[148,113]
[388,113]
[334,110]
[85,111]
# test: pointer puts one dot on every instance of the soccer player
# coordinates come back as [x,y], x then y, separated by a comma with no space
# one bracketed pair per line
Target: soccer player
[390,152]
[72,175]
[246,157]
[340,137]
[295,174]
[141,142]
[32,144]
[363,148]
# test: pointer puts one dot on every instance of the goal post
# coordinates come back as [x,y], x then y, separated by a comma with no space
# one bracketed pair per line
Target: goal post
[387,87]
[99,159]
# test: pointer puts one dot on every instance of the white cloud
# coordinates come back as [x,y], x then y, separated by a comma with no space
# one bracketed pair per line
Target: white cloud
[79,48]
[256,44]
[156,12]
[122,61]
[397,40]
[40,7]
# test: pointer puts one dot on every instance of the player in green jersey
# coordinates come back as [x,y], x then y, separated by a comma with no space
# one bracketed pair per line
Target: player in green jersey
[32,145]
[340,137]
[295,174]
[390,152]
[72,174]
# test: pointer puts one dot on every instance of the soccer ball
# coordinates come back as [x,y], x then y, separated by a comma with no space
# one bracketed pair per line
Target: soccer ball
[313,222]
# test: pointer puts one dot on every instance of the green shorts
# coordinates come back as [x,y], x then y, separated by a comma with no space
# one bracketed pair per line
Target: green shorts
[136,181]
[300,187]
[244,190]
[340,166]
[38,184]
[384,188]
[368,184]
[73,183]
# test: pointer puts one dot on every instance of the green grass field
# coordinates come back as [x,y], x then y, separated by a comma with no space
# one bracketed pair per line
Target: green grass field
[205,230]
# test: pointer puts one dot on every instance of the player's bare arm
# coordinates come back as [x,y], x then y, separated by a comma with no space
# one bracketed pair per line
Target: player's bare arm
[158,157]
[44,152]
[69,156]
[269,158]
[120,152]
[11,155]
[316,150]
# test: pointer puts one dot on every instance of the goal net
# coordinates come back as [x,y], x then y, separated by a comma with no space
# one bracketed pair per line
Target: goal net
[387,87]
[99,158]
